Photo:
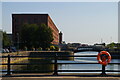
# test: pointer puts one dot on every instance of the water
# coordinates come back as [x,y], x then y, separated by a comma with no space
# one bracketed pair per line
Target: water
[87,66]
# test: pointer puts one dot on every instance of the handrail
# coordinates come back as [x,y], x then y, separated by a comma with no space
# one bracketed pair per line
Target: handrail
[55,58]
[51,56]
[50,63]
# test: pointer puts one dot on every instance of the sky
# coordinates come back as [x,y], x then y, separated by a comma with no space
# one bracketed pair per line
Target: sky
[0,15]
[80,22]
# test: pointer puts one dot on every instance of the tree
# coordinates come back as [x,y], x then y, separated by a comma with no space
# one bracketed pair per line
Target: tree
[6,41]
[1,36]
[45,37]
[32,35]
[111,45]
[27,35]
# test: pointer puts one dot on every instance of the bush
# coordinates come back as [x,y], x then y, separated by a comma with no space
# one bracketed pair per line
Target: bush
[47,49]
[52,47]
[39,49]
[56,48]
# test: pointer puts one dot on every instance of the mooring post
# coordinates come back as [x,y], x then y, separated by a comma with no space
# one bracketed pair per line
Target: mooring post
[55,65]
[103,71]
[8,65]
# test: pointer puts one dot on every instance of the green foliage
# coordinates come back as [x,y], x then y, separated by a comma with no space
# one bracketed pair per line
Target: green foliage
[39,49]
[1,36]
[52,47]
[6,41]
[36,36]
[55,48]
[111,45]
[47,49]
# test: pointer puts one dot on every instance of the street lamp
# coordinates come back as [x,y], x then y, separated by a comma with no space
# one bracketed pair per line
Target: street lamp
[17,42]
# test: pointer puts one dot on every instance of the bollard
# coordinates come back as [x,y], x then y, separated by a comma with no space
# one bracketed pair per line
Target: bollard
[55,65]
[8,65]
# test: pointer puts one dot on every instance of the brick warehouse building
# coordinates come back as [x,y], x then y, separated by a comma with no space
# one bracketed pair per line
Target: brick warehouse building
[19,19]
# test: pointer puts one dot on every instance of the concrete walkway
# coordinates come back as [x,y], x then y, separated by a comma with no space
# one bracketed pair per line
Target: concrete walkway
[61,78]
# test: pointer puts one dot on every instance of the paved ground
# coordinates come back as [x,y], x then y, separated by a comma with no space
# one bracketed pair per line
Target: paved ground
[61,78]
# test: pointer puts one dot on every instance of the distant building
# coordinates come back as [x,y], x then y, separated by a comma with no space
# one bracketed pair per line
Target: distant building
[102,44]
[84,45]
[19,19]
[73,46]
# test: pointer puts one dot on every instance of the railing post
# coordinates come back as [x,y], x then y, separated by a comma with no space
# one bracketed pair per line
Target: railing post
[8,65]
[103,71]
[55,65]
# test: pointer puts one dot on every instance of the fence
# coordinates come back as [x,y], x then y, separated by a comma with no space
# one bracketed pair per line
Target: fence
[55,63]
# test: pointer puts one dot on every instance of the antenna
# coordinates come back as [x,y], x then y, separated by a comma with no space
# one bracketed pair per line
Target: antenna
[110,39]
[101,40]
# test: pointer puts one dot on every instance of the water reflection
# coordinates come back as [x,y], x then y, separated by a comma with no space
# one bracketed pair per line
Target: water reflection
[87,66]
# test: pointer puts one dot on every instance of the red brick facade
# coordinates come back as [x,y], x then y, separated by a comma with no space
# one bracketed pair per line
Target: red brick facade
[19,19]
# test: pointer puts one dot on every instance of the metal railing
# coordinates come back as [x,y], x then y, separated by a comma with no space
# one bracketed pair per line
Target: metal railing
[55,63]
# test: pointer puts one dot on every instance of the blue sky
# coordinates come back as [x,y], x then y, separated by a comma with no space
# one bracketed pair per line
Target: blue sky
[83,22]
[0,15]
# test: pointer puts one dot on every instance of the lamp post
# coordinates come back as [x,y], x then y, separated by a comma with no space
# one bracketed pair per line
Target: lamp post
[17,42]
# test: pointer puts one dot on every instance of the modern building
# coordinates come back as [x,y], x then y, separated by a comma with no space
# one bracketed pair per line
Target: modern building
[19,19]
